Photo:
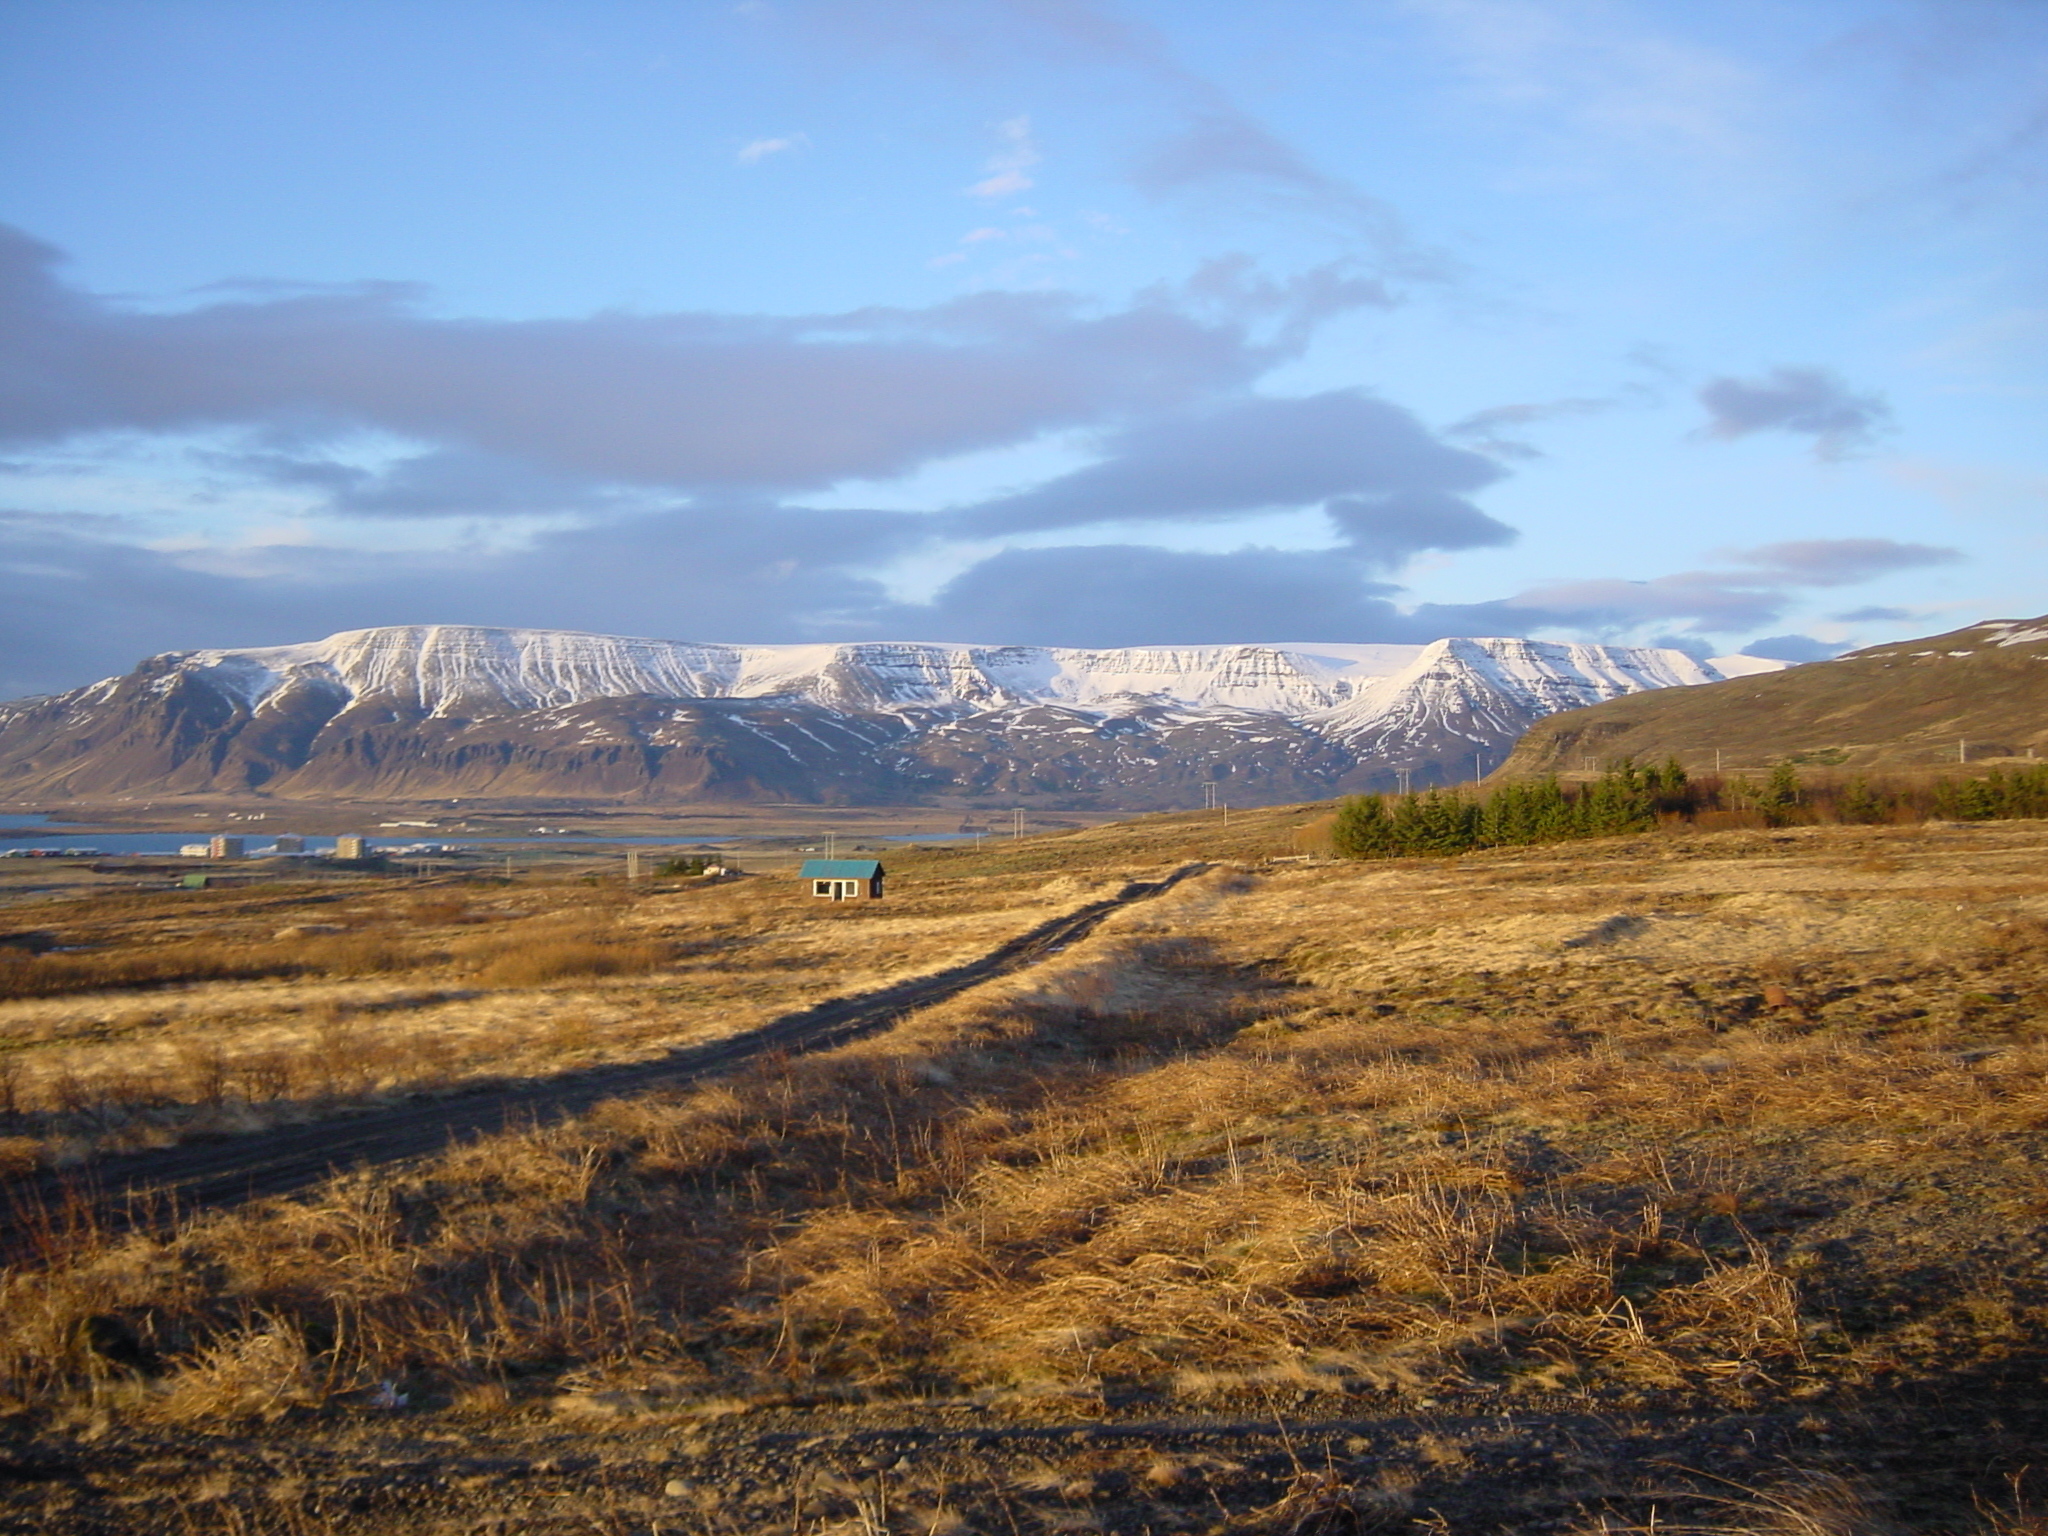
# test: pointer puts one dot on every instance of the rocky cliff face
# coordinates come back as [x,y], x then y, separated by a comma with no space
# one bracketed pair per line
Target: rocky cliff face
[437,711]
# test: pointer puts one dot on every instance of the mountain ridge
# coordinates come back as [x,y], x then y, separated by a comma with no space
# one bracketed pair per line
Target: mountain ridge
[430,711]
[1974,694]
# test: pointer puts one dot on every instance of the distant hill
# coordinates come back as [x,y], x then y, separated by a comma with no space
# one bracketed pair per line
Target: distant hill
[1978,694]
[433,711]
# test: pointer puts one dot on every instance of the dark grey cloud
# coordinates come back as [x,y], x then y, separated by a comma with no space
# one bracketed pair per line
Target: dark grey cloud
[1810,402]
[444,483]
[1131,594]
[15,519]
[1390,486]
[1793,648]
[1709,602]
[74,608]
[1386,531]
[1842,562]
[677,400]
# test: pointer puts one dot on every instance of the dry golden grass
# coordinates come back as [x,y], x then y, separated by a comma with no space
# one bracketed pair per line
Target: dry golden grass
[227,1013]
[1661,1124]
[1204,1154]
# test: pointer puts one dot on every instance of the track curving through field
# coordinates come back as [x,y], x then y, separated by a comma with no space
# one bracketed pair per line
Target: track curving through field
[154,1188]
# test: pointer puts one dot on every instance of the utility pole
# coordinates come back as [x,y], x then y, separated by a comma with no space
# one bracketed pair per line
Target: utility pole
[632,863]
[1962,751]
[508,866]
[1016,823]
[831,845]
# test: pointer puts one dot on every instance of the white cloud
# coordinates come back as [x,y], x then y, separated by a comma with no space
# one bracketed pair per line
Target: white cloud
[761,149]
[1008,169]
[1593,65]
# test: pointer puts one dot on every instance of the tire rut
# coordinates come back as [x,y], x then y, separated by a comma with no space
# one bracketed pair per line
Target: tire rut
[155,1188]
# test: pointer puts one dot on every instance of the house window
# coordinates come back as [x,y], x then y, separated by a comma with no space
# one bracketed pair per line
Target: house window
[821,887]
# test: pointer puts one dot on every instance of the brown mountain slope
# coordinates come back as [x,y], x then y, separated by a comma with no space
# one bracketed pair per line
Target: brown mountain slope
[1978,694]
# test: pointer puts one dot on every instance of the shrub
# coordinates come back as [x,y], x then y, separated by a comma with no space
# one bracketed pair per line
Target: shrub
[1630,799]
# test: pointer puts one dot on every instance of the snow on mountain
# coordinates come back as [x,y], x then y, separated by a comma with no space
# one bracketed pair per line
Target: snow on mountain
[1746,666]
[1483,689]
[454,709]
[443,671]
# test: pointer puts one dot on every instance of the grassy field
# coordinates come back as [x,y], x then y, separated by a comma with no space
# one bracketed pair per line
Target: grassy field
[132,1020]
[1673,1182]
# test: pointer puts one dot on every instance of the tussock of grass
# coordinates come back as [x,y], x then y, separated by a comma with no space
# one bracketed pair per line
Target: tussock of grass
[558,960]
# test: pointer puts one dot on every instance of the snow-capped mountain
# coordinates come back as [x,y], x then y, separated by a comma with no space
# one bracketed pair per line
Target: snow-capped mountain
[438,710]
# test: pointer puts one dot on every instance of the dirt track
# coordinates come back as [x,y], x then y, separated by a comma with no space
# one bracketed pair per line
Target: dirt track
[148,1188]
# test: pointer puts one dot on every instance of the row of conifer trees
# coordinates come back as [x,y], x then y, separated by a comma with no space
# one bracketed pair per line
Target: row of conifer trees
[1627,798]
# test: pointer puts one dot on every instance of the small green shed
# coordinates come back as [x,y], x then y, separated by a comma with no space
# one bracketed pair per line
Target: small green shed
[844,879]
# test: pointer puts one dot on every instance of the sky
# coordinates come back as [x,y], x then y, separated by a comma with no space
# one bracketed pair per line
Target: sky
[1072,322]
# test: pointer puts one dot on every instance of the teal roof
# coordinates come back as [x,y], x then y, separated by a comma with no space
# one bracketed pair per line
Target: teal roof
[841,869]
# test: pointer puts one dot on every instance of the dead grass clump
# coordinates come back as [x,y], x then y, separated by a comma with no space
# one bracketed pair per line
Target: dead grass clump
[19,1155]
[537,964]
[438,911]
[358,954]
[262,1372]
[1752,1308]
[23,974]
[1316,837]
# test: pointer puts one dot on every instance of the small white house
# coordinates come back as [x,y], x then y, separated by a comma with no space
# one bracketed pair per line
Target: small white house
[844,879]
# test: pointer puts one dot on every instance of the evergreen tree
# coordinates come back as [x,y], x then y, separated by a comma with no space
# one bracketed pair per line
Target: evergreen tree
[1621,800]
[1363,829]
[1441,821]
[1780,794]
[2027,792]
[1967,799]
[1860,804]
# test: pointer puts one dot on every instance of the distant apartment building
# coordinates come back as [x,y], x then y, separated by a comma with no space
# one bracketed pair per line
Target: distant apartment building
[224,847]
[351,847]
[288,843]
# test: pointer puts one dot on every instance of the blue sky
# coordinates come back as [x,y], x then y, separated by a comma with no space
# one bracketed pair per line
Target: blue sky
[1041,321]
